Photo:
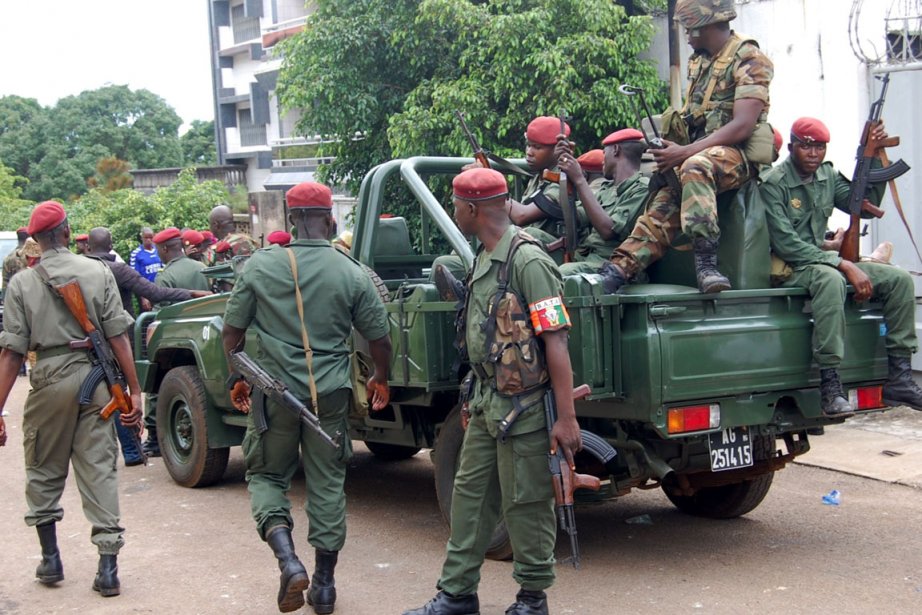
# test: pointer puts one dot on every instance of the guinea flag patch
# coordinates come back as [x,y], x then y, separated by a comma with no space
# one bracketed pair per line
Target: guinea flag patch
[548,315]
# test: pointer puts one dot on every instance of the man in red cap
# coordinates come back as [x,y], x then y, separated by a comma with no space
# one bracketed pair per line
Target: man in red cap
[717,142]
[191,240]
[494,472]
[592,163]
[613,208]
[335,295]
[59,431]
[81,242]
[279,238]
[799,195]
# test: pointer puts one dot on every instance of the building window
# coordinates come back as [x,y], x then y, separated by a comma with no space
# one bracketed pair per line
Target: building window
[245,28]
[250,133]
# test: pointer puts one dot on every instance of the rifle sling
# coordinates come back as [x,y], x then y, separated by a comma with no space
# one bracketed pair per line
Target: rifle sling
[882,154]
[504,165]
[308,353]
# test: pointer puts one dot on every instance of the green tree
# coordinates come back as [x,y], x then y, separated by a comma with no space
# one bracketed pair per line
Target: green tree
[14,211]
[198,144]
[394,71]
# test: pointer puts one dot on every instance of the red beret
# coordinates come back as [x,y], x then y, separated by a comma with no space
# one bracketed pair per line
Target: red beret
[209,236]
[620,136]
[544,130]
[46,216]
[22,229]
[592,161]
[222,247]
[810,130]
[82,237]
[778,140]
[309,194]
[479,185]
[192,237]
[167,234]
[279,238]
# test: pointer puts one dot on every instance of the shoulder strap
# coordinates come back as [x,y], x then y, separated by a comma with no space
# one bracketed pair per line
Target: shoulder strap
[308,352]
[720,64]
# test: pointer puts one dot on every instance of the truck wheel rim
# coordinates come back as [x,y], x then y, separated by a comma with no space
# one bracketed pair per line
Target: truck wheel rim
[182,428]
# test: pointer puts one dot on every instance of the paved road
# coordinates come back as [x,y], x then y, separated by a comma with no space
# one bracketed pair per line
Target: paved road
[195,551]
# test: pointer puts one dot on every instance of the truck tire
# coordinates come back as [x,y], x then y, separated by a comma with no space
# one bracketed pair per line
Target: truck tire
[380,286]
[445,459]
[183,432]
[391,452]
[729,501]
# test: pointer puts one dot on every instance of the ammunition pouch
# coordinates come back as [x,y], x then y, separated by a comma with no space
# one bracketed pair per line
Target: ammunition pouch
[673,126]
[781,272]
[516,352]
[759,148]
[360,369]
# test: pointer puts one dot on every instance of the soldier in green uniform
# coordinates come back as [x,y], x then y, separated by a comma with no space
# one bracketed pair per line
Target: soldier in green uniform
[614,206]
[221,224]
[715,143]
[509,478]
[15,261]
[264,299]
[799,196]
[57,430]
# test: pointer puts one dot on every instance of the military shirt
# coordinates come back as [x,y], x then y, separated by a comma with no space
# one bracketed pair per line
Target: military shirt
[748,75]
[241,244]
[338,294]
[553,226]
[622,202]
[797,212]
[182,272]
[14,262]
[536,279]
[35,318]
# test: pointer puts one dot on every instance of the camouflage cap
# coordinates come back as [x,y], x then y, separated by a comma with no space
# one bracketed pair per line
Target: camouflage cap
[698,13]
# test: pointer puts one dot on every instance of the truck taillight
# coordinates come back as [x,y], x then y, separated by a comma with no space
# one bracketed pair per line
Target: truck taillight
[866,398]
[693,418]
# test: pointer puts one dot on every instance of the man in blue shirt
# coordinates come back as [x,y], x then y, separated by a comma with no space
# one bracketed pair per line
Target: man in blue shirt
[144,258]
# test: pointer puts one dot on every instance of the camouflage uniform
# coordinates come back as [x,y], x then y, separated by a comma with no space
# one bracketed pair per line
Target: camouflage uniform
[14,262]
[708,173]
[241,244]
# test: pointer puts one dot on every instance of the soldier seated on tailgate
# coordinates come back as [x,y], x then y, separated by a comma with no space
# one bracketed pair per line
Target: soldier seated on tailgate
[614,206]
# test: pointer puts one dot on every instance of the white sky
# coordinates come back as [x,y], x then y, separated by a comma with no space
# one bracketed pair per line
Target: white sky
[50,49]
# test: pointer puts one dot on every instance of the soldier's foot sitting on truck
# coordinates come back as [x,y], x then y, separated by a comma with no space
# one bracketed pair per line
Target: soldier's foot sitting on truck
[448,604]
[834,402]
[900,389]
[613,278]
[450,288]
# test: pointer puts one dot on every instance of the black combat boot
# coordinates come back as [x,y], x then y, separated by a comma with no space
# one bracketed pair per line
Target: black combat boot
[293,580]
[710,280]
[448,604]
[322,595]
[450,288]
[834,402]
[51,570]
[613,278]
[529,602]
[151,446]
[106,581]
[900,389]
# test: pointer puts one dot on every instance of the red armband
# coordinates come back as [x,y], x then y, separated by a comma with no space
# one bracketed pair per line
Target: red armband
[549,315]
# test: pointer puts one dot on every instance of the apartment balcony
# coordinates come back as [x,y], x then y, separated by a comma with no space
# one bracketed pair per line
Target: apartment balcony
[280,31]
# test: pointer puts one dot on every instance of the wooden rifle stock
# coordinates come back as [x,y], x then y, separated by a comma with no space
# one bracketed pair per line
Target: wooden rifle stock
[73,298]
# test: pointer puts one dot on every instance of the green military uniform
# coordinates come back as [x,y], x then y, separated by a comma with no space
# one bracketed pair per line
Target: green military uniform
[182,272]
[510,478]
[623,202]
[56,429]
[797,213]
[713,171]
[549,229]
[14,262]
[263,300]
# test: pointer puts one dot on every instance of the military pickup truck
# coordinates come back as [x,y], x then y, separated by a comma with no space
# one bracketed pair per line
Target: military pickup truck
[703,396]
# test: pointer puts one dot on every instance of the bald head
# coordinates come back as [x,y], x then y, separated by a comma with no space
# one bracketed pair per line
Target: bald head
[100,240]
[221,221]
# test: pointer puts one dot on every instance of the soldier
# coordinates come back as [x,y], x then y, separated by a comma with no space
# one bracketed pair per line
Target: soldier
[279,238]
[221,223]
[592,163]
[511,477]
[15,261]
[57,430]
[81,243]
[612,208]
[191,241]
[264,299]
[718,140]
[799,196]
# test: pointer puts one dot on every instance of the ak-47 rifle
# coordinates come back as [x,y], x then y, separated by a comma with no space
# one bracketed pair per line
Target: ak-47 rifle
[260,379]
[565,480]
[664,177]
[567,206]
[105,366]
[868,149]
[484,157]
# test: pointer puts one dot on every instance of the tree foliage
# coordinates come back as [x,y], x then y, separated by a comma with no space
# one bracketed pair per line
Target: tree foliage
[198,144]
[111,174]
[14,211]
[395,70]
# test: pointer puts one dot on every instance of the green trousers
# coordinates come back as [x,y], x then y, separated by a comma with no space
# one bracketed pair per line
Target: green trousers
[272,458]
[57,431]
[511,479]
[892,286]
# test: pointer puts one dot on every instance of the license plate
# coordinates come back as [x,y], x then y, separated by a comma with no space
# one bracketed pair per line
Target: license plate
[730,449]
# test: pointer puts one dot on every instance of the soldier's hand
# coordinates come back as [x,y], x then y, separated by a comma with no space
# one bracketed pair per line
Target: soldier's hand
[379,393]
[133,418]
[474,165]
[857,278]
[2,431]
[465,416]
[670,157]
[566,435]
[563,147]
[196,294]
[835,243]
[146,305]
[240,396]
[569,165]
[879,132]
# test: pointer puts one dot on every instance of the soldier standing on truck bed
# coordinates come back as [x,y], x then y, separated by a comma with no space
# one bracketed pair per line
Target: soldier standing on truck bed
[799,196]
[57,430]
[715,143]
[264,298]
[509,478]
